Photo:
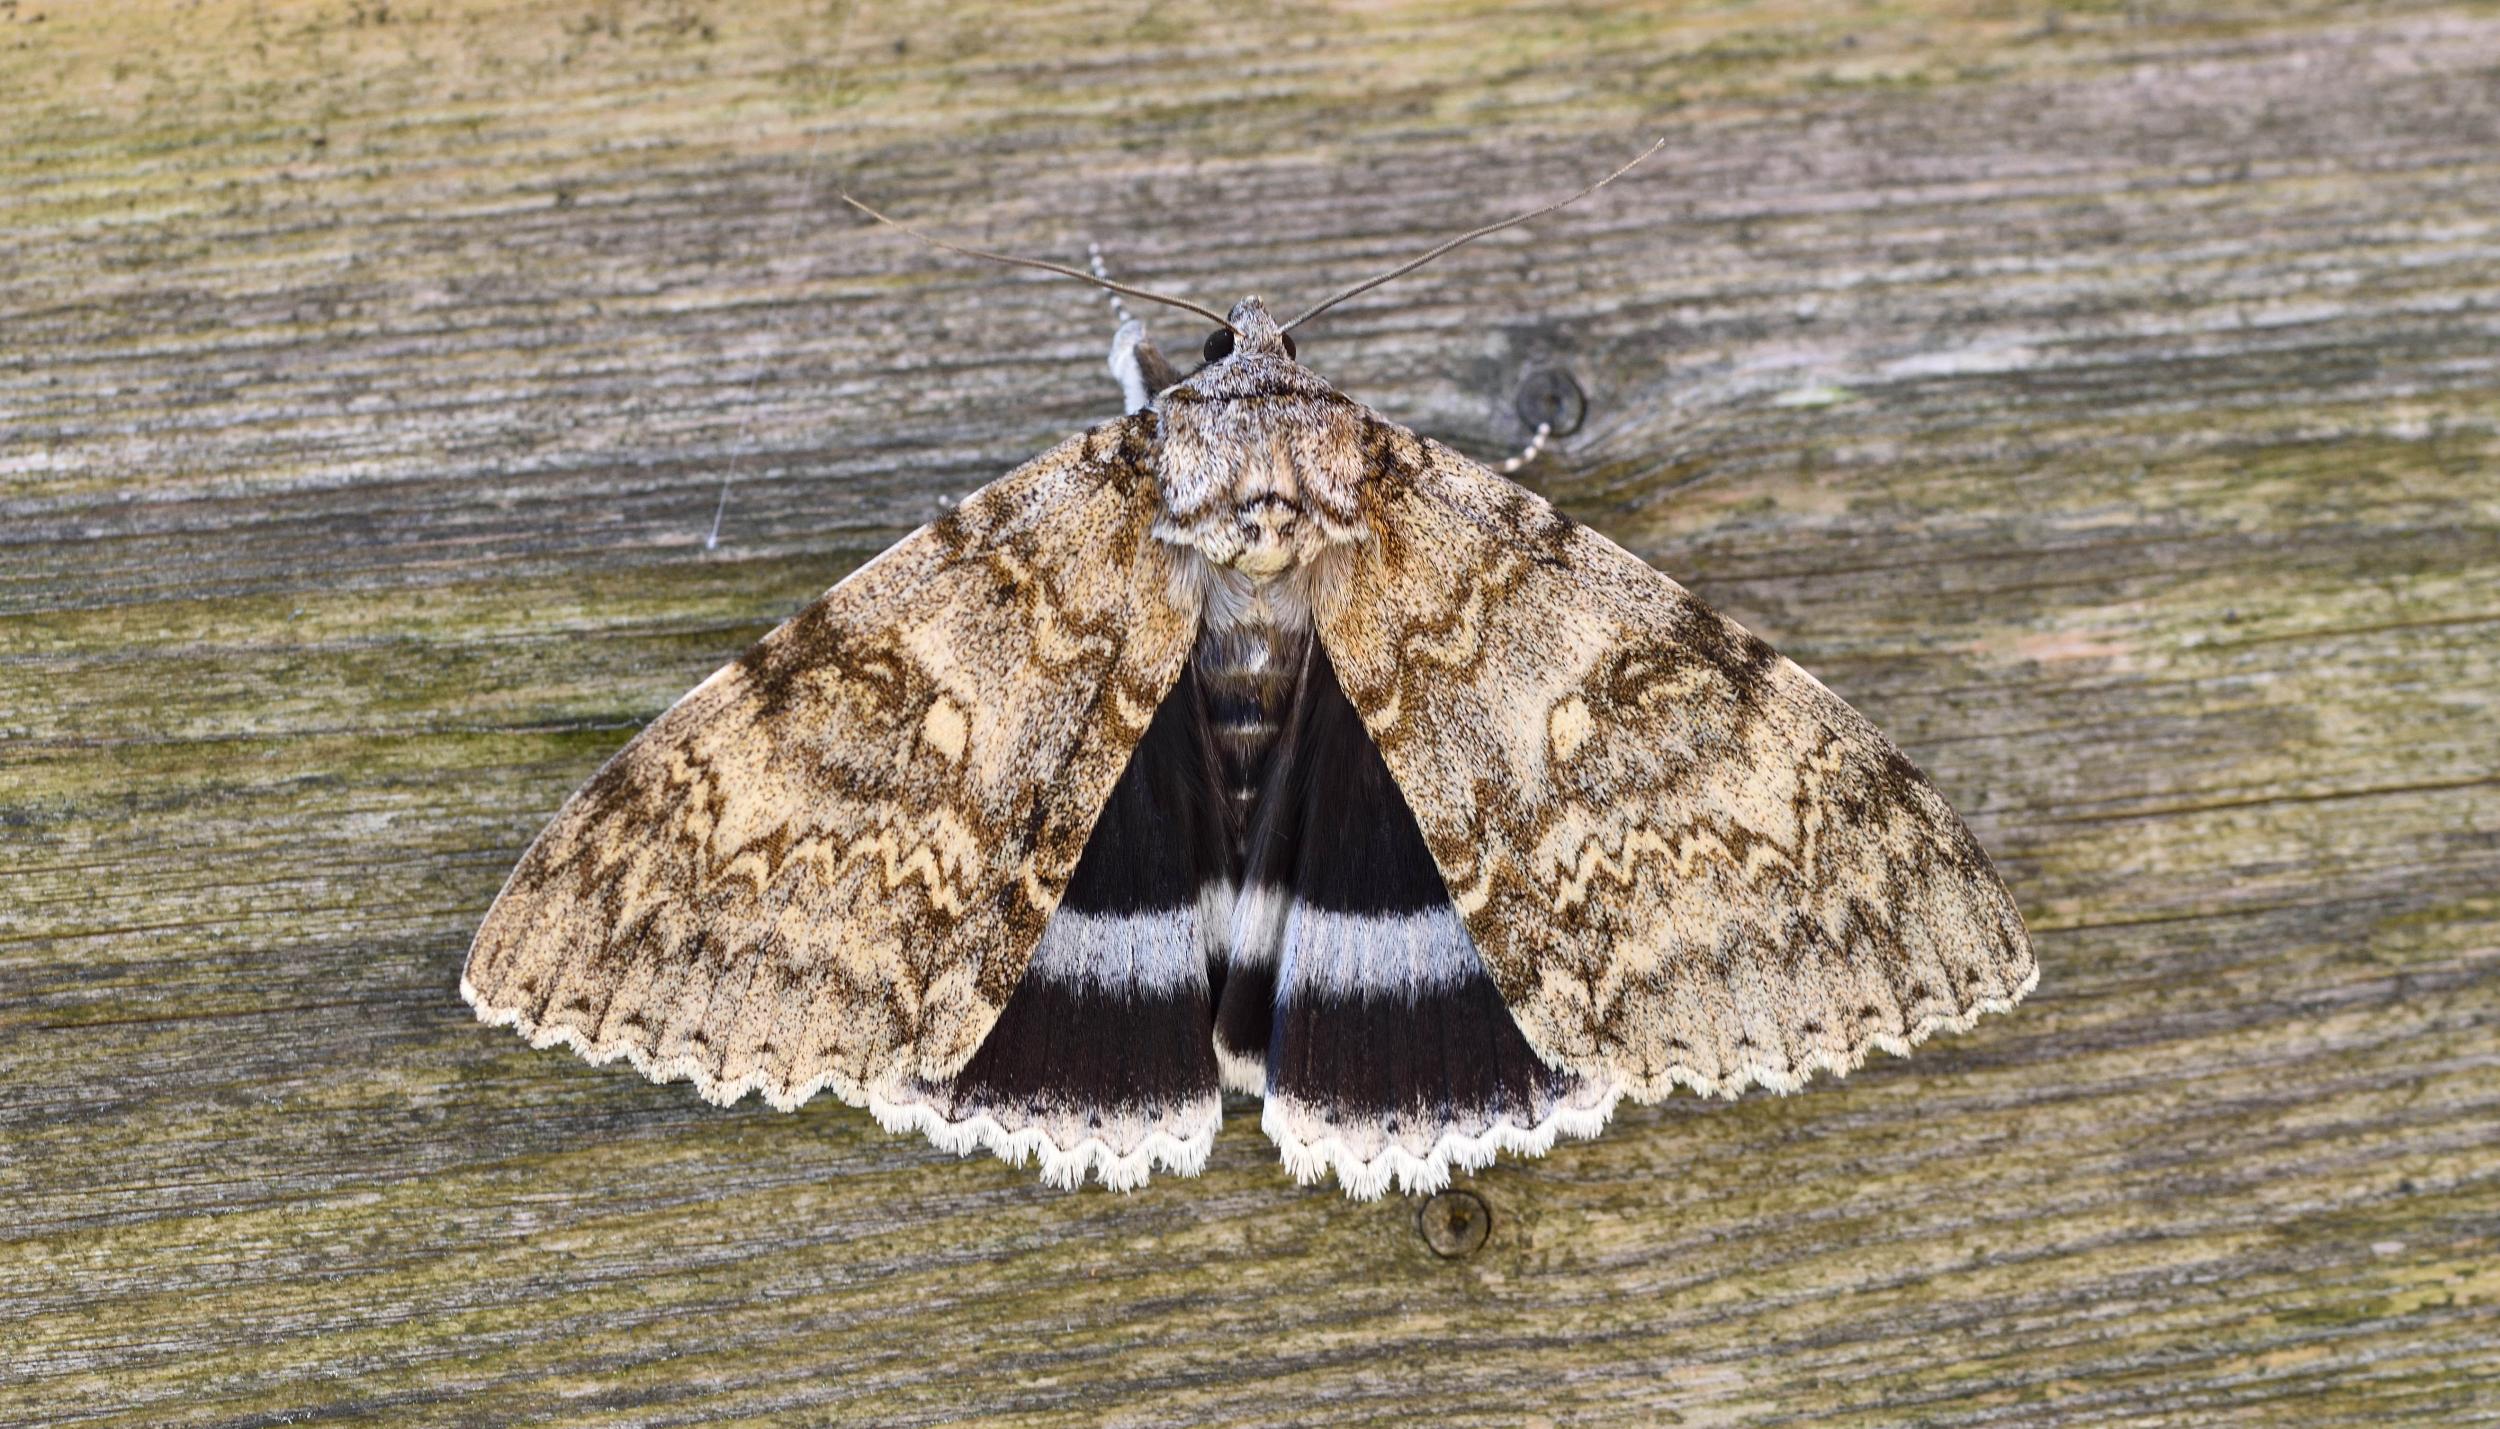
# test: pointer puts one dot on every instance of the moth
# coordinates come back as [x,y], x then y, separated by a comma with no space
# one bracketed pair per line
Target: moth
[1250,741]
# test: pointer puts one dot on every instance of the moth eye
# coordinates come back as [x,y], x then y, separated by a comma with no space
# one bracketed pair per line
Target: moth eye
[1290,353]
[1219,344]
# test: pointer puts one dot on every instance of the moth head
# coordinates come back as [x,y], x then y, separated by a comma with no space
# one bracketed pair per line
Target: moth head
[1249,331]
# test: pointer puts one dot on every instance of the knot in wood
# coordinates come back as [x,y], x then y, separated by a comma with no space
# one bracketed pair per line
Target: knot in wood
[1455,1224]
[1550,397]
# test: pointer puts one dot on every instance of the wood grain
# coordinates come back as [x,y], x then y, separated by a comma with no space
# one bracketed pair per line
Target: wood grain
[2106,399]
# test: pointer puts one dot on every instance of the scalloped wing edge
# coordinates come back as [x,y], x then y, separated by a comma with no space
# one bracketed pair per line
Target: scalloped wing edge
[1308,1160]
[1367,1178]
[1065,1167]
[1313,1159]
[717,1091]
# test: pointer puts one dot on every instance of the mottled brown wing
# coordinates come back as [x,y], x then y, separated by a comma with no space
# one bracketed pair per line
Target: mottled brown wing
[1681,858]
[828,864]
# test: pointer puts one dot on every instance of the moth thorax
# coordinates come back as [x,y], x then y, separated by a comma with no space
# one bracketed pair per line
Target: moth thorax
[1263,538]
[1269,531]
[1261,485]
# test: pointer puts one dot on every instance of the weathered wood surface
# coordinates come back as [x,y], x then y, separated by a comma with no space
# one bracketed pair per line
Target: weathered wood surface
[2105,398]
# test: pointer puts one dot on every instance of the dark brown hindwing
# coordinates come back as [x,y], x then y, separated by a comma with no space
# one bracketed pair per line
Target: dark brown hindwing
[1389,1054]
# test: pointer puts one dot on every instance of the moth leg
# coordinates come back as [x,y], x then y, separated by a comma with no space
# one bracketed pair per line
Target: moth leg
[1136,363]
[1139,368]
[1536,443]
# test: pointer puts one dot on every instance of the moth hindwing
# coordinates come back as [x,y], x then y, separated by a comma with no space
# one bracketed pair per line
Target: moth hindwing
[1251,740]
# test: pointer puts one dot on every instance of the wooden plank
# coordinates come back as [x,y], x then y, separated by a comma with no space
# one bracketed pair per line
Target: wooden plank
[2103,398]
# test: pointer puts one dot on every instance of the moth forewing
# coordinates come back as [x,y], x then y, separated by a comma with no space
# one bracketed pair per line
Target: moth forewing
[823,870]
[1711,871]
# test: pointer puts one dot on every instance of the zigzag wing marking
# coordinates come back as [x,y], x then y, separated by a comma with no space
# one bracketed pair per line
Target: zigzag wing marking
[1682,859]
[828,865]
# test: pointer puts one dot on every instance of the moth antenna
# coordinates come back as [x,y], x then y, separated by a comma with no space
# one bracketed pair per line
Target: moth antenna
[1059,268]
[1512,222]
